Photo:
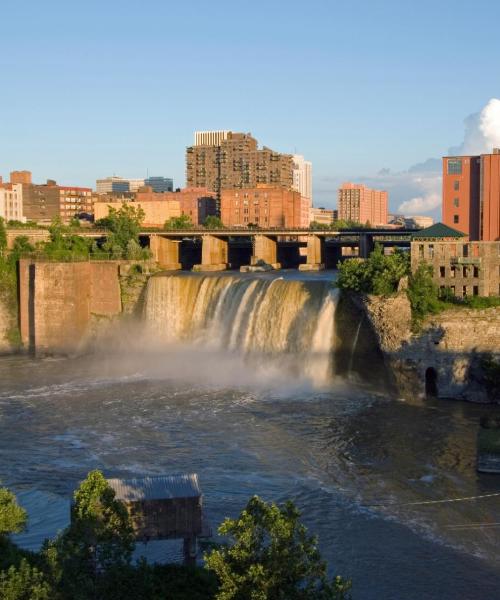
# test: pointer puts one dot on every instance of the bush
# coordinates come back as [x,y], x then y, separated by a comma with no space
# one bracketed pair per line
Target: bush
[24,583]
[423,293]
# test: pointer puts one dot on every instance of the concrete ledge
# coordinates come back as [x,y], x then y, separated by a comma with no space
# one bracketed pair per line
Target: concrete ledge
[207,268]
[312,267]
[260,268]
[171,267]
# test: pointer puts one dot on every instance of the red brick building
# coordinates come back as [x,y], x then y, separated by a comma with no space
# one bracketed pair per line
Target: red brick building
[471,195]
[264,206]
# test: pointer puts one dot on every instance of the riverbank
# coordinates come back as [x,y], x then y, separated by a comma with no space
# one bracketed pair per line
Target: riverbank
[449,357]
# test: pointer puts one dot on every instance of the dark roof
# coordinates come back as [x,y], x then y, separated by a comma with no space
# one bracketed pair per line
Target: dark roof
[438,230]
[156,488]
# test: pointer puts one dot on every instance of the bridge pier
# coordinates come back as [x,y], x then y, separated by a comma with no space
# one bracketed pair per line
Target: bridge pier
[366,245]
[165,252]
[265,249]
[214,254]
[315,260]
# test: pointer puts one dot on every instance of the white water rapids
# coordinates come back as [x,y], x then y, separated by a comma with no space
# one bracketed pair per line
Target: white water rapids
[286,322]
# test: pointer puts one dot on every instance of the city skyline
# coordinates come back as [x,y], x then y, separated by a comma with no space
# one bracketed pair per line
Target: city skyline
[98,111]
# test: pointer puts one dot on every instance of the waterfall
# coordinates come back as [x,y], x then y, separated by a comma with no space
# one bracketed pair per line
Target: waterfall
[284,322]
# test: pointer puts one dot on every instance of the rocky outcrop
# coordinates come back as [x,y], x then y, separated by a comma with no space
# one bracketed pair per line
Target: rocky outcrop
[445,358]
[5,327]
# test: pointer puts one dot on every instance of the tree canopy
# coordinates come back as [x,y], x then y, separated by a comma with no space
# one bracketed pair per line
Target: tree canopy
[182,222]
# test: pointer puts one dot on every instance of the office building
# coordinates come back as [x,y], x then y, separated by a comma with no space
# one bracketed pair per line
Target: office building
[156,212]
[11,201]
[112,185]
[160,184]
[75,202]
[264,206]
[471,195]
[361,204]
[234,161]
[302,176]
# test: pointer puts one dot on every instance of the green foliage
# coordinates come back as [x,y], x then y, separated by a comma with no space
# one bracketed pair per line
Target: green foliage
[491,370]
[24,583]
[423,293]
[182,222]
[379,274]
[319,226]
[271,557]
[213,222]
[12,516]
[3,237]
[64,245]
[124,224]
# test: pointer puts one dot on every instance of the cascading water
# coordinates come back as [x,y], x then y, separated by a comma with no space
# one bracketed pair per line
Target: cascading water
[289,323]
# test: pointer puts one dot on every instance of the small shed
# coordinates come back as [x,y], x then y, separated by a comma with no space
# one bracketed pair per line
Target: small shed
[164,507]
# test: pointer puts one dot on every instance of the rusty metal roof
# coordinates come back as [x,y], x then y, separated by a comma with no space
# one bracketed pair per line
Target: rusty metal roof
[161,487]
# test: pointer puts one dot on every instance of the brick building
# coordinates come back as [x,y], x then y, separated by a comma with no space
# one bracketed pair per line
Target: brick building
[323,216]
[362,204]
[467,268]
[233,161]
[156,212]
[264,206]
[471,195]
[197,203]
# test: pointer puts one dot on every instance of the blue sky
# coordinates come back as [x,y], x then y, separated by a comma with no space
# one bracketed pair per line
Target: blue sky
[91,88]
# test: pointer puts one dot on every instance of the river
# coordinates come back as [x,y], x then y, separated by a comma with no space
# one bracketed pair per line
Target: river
[354,458]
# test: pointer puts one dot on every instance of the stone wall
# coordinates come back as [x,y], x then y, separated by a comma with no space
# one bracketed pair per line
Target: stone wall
[58,301]
[6,324]
[449,349]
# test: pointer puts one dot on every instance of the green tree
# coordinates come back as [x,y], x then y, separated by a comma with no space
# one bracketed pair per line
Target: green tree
[318,226]
[213,222]
[12,516]
[24,583]
[100,538]
[271,557]
[423,293]
[3,237]
[124,225]
[182,222]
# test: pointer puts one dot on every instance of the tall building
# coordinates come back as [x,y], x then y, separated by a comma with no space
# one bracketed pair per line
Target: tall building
[160,184]
[11,201]
[209,138]
[471,195]
[112,185]
[302,176]
[234,161]
[362,204]
[75,202]
[264,206]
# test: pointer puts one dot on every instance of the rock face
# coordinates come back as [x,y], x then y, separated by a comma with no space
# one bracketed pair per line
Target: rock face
[445,359]
[6,323]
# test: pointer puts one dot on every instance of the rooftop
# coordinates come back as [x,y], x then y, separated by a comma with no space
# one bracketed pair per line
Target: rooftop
[156,488]
[439,230]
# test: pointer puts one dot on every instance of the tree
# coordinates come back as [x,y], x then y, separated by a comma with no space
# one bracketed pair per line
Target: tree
[182,222]
[24,583]
[423,293]
[213,222]
[12,516]
[318,226]
[100,538]
[124,225]
[271,557]
[3,236]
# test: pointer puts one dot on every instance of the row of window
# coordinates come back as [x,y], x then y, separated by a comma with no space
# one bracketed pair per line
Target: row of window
[466,271]
[465,290]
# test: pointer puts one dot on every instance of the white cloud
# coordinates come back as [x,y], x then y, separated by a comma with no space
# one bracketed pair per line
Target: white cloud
[482,130]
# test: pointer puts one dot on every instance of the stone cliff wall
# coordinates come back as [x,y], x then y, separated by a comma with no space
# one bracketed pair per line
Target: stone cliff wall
[6,324]
[445,357]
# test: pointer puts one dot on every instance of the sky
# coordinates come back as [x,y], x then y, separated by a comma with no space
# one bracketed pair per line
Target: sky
[373,91]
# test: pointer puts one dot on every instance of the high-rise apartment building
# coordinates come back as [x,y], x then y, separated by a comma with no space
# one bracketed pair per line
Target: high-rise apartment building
[209,138]
[234,161]
[471,195]
[160,184]
[302,176]
[11,201]
[264,206]
[362,204]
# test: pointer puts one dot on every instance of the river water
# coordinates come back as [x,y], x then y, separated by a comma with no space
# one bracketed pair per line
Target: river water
[353,458]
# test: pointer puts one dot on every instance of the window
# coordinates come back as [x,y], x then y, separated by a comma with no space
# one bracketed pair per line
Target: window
[442,272]
[452,272]
[476,272]
[456,202]
[465,272]
[456,185]
[465,250]
[454,166]
[464,291]
[475,290]
[455,219]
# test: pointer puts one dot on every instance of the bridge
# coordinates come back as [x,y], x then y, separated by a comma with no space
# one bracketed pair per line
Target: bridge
[219,249]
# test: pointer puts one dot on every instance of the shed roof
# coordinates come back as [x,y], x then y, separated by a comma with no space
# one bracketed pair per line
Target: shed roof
[156,488]
[439,230]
